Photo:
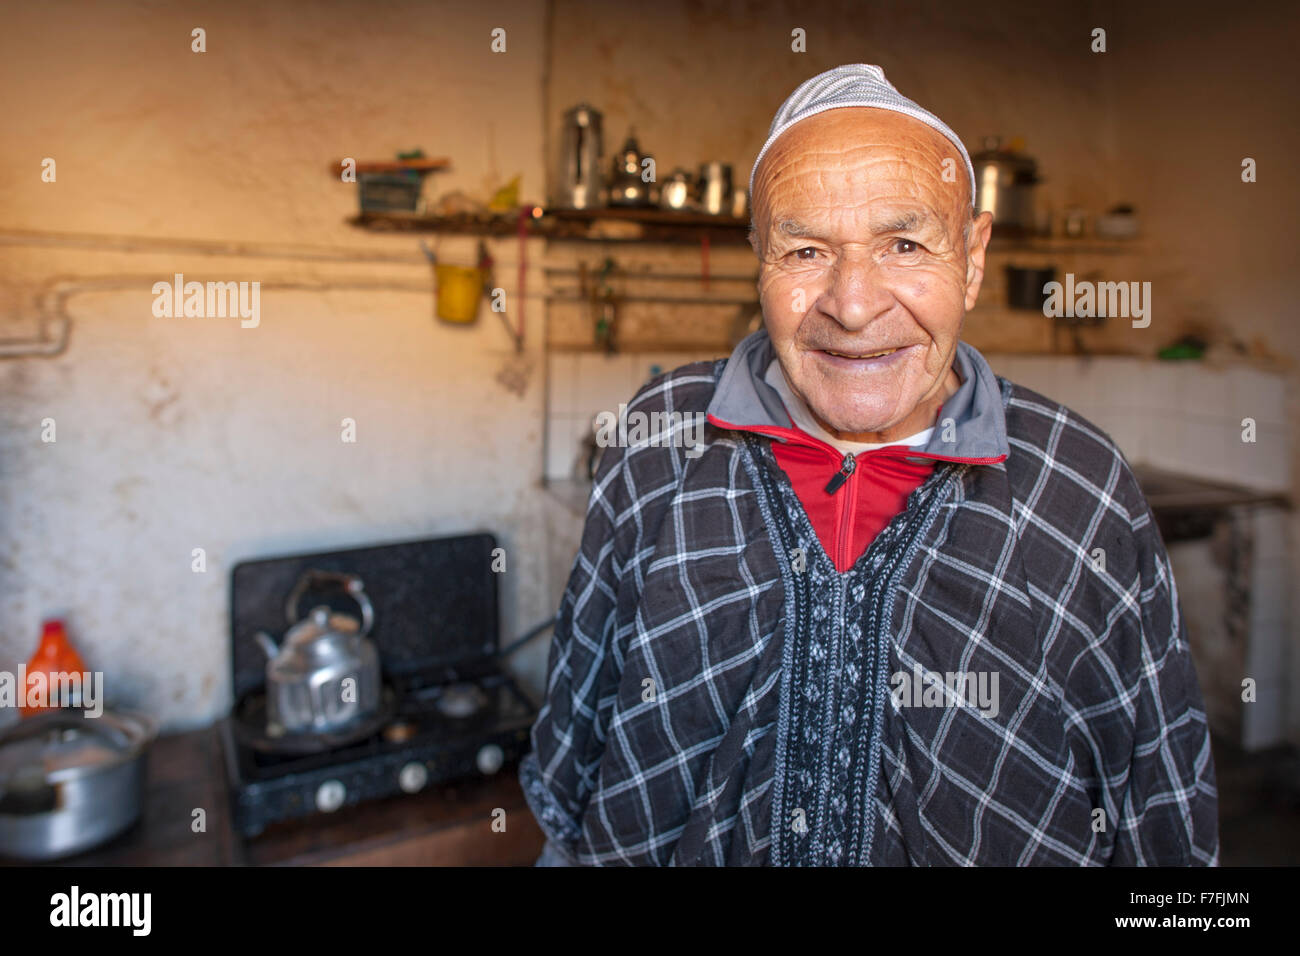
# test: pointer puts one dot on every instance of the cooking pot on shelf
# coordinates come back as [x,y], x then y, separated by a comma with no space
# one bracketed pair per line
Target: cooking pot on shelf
[677,191]
[1004,184]
[70,781]
[324,676]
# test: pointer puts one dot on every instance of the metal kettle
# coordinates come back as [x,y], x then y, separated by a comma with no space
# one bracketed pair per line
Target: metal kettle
[324,675]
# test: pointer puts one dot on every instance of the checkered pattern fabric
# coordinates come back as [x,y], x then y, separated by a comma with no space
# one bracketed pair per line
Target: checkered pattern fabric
[719,694]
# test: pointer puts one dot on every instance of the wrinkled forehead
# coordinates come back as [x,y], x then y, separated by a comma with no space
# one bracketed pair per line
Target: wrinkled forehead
[860,156]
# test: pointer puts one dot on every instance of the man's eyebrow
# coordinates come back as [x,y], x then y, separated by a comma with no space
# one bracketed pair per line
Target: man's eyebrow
[904,222]
[797,229]
[900,222]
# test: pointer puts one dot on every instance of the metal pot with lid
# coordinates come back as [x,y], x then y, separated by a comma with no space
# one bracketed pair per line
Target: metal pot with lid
[677,190]
[324,675]
[1004,182]
[70,780]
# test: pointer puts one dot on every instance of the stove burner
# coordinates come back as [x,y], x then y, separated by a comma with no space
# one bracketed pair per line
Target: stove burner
[272,786]
[460,701]
[251,727]
[400,731]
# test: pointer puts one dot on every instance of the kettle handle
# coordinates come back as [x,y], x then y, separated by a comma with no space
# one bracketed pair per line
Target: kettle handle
[347,582]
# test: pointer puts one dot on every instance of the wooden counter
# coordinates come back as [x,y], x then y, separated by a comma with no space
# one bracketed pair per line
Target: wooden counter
[447,825]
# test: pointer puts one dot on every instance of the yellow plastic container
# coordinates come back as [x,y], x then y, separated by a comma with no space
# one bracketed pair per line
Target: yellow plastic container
[459,292]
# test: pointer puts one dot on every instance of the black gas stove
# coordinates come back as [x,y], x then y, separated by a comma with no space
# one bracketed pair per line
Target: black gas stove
[450,710]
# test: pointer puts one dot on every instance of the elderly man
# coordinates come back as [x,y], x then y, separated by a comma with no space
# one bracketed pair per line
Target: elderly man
[895,610]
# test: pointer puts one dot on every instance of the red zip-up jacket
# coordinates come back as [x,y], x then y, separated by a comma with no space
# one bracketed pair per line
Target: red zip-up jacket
[863,493]
[849,498]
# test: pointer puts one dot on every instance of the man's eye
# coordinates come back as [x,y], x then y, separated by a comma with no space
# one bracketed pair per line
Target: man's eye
[811,253]
[906,246]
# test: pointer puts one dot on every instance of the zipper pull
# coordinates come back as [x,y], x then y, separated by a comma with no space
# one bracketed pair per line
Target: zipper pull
[841,476]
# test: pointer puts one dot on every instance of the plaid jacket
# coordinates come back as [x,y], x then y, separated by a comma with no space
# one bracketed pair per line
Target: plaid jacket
[719,694]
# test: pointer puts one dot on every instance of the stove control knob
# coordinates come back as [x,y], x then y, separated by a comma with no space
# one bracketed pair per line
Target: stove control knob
[413,777]
[490,758]
[330,796]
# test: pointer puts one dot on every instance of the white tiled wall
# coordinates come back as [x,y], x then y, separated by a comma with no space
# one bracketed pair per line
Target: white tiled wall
[583,384]
[1264,721]
[1180,416]
[1187,417]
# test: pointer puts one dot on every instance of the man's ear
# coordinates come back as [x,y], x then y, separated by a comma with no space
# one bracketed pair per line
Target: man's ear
[981,228]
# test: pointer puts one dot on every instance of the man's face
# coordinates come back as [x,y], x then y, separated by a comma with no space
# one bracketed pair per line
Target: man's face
[862,248]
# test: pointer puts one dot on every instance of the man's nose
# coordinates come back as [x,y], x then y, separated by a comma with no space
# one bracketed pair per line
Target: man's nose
[859,292]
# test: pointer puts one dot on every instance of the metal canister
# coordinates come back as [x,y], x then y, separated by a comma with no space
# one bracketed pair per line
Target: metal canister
[715,189]
[580,181]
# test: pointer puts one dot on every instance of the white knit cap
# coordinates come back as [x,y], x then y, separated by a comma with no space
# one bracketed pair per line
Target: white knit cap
[854,84]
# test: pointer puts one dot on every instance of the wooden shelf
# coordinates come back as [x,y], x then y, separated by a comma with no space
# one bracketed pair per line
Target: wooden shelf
[423,165]
[615,225]
[1055,245]
[505,225]
[650,215]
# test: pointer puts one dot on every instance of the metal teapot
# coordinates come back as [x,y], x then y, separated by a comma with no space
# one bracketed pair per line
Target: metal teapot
[324,676]
[626,187]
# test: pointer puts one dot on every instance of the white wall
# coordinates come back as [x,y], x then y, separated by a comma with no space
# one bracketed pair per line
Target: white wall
[182,433]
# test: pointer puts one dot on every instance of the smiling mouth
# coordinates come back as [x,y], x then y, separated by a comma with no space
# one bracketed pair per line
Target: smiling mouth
[860,355]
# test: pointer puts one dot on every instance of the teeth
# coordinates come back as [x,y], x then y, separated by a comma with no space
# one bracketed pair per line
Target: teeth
[867,356]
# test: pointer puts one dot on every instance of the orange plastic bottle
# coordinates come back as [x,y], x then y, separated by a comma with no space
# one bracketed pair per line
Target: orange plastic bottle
[54,656]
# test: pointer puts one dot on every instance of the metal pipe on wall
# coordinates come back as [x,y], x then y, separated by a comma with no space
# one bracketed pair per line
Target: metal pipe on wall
[55,323]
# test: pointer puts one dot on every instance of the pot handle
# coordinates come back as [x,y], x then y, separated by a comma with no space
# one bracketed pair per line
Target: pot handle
[349,583]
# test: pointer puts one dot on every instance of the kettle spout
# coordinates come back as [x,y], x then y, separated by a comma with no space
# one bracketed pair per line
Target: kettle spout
[266,644]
